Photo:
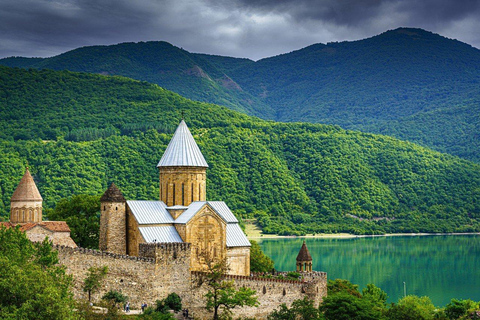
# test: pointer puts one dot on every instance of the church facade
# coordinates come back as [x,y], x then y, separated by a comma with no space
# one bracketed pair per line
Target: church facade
[181,215]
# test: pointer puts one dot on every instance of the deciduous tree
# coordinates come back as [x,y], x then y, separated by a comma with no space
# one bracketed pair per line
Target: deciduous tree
[94,279]
[32,286]
[222,293]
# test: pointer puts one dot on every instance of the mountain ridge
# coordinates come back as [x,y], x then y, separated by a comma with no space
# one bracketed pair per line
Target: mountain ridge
[399,83]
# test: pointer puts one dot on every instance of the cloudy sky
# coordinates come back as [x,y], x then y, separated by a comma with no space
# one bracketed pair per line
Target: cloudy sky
[241,28]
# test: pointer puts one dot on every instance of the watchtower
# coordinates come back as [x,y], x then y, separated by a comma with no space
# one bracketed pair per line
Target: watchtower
[304,259]
[113,221]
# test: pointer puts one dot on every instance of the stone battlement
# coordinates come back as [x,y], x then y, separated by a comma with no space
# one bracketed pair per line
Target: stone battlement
[254,277]
[162,249]
[80,250]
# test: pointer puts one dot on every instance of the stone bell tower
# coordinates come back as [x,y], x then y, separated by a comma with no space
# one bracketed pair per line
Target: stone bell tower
[182,170]
[304,259]
[26,201]
[113,221]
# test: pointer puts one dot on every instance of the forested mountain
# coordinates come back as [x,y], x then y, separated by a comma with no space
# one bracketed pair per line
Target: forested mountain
[190,75]
[407,83]
[78,132]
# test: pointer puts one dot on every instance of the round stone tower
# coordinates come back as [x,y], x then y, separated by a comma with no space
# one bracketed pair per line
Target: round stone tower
[26,202]
[113,221]
[183,168]
[304,259]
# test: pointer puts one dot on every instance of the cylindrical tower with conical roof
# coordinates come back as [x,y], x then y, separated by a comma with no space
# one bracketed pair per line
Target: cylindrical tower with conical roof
[183,170]
[304,259]
[26,201]
[113,221]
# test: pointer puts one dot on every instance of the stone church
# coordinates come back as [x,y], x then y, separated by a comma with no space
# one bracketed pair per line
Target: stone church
[26,212]
[181,215]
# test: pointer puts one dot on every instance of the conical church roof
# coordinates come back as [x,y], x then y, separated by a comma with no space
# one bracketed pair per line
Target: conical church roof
[182,151]
[113,194]
[27,189]
[304,254]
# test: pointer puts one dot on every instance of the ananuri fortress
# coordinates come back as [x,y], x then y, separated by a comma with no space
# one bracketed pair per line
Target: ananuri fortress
[154,248]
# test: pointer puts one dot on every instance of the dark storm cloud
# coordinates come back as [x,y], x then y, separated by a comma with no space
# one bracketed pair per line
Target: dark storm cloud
[242,28]
[355,12]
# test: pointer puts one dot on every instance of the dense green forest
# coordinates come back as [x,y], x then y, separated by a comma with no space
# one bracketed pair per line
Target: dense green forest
[78,132]
[190,75]
[407,83]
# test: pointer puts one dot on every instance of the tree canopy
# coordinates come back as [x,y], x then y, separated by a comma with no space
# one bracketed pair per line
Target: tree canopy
[32,286]
[293,178]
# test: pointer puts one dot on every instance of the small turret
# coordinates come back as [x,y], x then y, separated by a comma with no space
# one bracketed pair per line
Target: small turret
[304,259]
[26,201]
[113,221]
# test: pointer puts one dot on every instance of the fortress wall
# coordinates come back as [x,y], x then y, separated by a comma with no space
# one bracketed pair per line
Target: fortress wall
[140,278]
[164,268]
[271,293]
[172,266]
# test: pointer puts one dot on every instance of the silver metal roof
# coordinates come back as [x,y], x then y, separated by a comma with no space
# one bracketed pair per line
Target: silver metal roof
[160,234]
[150,212]
[236,237]
[188,214]
[182,150]
[223,210]
[219,207]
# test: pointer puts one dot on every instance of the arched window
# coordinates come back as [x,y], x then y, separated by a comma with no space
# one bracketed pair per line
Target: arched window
[183,194]
[173,195]
[192,192]
[166,195]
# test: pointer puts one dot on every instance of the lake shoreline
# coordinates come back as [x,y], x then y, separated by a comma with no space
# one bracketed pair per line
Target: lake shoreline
[348,235]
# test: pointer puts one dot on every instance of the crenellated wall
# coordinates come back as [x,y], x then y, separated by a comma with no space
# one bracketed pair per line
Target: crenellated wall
[163,268]
[271,293]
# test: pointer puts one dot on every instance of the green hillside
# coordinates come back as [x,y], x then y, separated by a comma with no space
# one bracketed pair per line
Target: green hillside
[78,132]
[407,83]
[173,68]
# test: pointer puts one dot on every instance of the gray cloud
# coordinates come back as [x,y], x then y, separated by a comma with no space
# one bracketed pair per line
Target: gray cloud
[241,28]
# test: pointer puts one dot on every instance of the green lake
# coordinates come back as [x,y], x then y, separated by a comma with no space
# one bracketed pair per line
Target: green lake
[440,267]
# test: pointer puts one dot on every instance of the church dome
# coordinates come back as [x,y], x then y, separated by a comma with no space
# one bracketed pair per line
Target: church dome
[26,189]
[182,151]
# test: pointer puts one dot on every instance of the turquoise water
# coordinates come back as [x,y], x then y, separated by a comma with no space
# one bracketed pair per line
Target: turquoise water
[440,267]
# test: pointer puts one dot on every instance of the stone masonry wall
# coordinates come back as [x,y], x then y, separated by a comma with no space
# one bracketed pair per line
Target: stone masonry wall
[271,293]
[164,268]
[140,278]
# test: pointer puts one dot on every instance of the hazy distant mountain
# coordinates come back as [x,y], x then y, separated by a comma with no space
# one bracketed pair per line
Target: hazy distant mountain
[407,83]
